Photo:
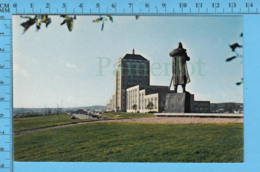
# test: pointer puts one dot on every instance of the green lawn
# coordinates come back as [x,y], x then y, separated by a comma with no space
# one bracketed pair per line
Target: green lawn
[43,121]
[125,115]
[128,142]
[53,120]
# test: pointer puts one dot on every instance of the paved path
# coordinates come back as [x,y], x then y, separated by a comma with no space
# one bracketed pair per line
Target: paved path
[155,120]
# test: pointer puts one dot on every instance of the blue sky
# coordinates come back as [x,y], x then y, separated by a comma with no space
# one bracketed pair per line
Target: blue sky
[56,67]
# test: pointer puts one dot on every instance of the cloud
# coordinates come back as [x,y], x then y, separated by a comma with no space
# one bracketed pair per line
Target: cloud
[69,65]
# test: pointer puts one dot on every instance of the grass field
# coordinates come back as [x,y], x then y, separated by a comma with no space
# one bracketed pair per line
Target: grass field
[54,120]
[129,142]
[43,121]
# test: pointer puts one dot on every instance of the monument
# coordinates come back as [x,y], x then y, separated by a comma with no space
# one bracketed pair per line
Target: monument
[179,102]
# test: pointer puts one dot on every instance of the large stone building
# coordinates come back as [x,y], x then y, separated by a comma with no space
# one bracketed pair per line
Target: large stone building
[133,92]
[133,69]
[110,106]
[138,98]
[201,107]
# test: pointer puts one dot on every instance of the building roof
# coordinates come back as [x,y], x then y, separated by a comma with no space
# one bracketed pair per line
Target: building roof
[134,57]
[158,86]
[143,87]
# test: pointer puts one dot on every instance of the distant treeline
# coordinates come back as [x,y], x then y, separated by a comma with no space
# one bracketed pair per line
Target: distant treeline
[54,110]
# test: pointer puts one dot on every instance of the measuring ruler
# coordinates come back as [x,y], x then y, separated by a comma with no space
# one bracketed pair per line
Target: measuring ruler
[151,7]
[6,92]
[77,7]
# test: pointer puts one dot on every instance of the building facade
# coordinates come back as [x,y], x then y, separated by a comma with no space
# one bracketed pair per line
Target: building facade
[133,69]
[201,106]
[146,98]
[110,106]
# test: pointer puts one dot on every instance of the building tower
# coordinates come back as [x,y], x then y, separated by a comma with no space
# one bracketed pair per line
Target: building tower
[133,69]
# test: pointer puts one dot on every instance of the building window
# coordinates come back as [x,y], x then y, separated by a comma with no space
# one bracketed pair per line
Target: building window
[125,72]
[134,72]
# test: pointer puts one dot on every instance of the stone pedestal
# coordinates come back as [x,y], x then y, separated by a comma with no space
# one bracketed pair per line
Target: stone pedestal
[179,102]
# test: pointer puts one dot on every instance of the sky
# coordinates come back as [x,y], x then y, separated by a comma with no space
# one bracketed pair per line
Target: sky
[54,67]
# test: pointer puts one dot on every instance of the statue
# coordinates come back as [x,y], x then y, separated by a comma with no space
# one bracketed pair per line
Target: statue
[180,75]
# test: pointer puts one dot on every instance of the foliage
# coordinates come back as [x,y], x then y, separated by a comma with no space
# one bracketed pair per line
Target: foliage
[125,142]
[134,107]
[37,20]
[150,106]
[103,19]
[234,47]
[240,82]
[69,20]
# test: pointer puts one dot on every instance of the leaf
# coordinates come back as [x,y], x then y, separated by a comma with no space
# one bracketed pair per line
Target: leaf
[231,58]
[102,27]
[70,24]
[98,20]
[64,16]
[110,18]
[31,21]
[240,82]
[234,46]
[44,18]
[38,24]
